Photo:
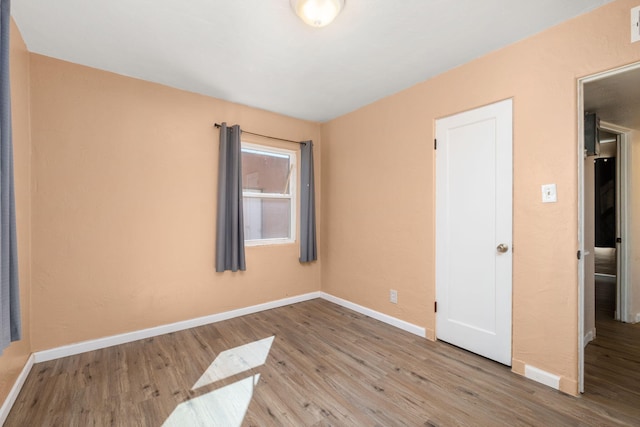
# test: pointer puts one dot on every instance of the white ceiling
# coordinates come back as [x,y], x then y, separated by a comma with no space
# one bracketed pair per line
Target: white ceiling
[616,99]
[258,53]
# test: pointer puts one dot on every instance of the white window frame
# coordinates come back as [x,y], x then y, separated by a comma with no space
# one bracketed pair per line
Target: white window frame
[293,164]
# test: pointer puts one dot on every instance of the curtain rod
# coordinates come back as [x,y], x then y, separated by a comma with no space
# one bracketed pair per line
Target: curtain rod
[264,136]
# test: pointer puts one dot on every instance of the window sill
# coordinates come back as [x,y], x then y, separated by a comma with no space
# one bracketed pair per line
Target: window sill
[268,242]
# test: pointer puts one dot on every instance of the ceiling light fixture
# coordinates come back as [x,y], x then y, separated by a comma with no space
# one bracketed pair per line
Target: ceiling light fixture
[317,13]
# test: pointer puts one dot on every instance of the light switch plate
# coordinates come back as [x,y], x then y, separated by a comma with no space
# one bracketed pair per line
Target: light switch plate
[635,24]
[549,194]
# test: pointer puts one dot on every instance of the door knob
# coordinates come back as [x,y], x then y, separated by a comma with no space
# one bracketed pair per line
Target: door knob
[502,248]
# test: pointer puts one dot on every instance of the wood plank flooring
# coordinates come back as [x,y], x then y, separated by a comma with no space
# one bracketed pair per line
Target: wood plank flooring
[612,360]
[327,366]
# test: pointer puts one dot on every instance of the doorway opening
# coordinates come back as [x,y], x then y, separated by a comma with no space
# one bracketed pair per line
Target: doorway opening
[605,176]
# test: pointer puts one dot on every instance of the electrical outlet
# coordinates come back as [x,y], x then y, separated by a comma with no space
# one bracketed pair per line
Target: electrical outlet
[635,24]
[393,296]
[549,194]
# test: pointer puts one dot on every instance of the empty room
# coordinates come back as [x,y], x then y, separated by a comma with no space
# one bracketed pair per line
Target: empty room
[319,212]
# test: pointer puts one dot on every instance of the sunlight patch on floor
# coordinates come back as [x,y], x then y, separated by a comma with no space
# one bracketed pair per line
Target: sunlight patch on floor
[225,406]
[235,361]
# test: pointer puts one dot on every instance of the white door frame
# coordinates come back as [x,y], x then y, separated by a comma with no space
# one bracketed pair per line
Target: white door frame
[623,166]
[623,299]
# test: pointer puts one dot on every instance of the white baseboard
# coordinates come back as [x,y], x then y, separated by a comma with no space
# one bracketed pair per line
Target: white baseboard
[96,344]
[15,390]
[589,336]
[606,277]
[90,345]
[393,321]
[542,377]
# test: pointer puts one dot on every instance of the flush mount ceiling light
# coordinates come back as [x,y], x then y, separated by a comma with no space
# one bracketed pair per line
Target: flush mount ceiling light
[317,13]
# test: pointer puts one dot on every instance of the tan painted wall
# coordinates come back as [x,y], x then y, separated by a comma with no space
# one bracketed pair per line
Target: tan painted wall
[15,356]
[125,176]
[378,192]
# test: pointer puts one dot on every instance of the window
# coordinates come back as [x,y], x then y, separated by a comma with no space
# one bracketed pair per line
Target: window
[268,194]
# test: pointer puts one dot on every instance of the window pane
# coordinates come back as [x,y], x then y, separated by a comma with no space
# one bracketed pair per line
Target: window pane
[265,172]
[266,218]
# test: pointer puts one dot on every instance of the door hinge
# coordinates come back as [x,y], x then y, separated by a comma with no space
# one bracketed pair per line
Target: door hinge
[435,306]
[618,240]
[435,144]
[579,254]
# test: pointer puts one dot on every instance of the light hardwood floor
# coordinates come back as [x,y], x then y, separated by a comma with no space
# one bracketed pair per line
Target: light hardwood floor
[327,366]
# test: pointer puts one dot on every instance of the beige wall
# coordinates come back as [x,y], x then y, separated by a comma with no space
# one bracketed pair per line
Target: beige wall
[15,356]
[378,206]
[125,176]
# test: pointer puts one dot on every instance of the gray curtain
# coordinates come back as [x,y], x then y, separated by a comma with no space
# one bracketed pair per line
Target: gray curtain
[10,323]
[230,225]
[308,251]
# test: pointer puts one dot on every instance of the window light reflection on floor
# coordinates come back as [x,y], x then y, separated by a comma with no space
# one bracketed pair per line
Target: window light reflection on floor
[225,406]
[235,361]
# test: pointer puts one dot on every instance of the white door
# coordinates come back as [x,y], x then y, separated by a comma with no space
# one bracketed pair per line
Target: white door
[474,230]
